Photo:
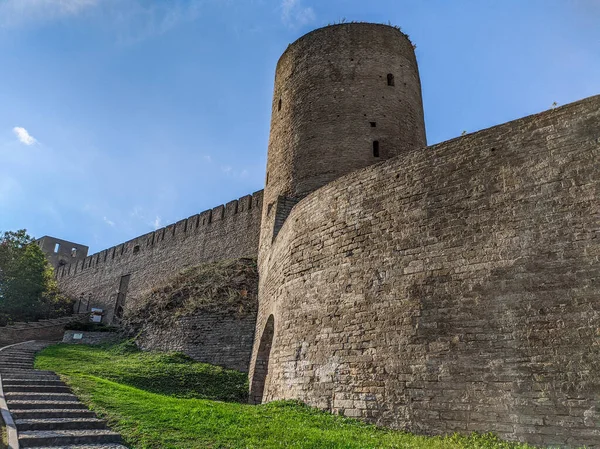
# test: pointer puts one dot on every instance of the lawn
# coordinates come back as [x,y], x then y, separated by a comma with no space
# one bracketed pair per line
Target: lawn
[3,435]
[169,401]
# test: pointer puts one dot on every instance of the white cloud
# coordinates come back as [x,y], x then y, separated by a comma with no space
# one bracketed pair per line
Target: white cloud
[157,223]
[24,135]
[295,15]
[131,20]
[15,12]
[108,222]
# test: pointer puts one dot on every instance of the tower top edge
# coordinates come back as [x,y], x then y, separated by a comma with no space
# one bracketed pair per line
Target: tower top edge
[347,25]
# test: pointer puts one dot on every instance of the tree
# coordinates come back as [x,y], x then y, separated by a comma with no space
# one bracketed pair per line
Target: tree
[28,290]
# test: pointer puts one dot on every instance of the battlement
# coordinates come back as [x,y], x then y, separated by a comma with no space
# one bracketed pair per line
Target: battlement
[110,278]
[203,223]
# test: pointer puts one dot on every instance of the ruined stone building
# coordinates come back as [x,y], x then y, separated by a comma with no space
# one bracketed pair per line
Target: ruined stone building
[453,287]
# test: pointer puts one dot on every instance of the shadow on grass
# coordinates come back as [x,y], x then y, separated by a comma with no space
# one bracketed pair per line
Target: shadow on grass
[170,374]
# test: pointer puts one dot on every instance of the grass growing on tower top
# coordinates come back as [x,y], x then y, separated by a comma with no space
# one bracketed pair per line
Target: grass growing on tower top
[168,401]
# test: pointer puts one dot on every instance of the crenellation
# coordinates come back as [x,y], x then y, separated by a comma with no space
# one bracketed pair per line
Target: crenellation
[218,213]
[231,208]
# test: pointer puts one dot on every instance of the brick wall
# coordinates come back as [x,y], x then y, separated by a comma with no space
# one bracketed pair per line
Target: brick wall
[222,339]
[90,338]
[452,288]
[51,330]
[225,232]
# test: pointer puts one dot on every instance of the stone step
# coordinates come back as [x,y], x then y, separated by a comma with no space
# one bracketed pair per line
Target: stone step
[67,437]
[51,413]
[85,446]
[13,359]
[14,372]
[8,365]
[63,397]
[36,389]
[30,382]
[46,405]
[60,424]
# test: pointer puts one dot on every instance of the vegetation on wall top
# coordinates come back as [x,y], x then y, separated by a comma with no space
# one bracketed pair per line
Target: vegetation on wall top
[230,286]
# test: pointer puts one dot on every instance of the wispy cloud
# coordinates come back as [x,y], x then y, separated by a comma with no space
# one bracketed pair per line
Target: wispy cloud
[16,12]
[132,20]
[24,136]
[108,222]
[157,222]
[294,14]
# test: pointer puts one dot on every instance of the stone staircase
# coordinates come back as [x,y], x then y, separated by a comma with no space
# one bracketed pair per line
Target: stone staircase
[45,411]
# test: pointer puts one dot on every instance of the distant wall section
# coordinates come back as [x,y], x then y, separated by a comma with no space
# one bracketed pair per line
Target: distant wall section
[222,339]
[115,277]
[452,288]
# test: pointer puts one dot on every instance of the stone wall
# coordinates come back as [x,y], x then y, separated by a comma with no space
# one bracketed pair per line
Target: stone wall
[222,339]
[50,330]
[452,288]
[90,338]
[225,232]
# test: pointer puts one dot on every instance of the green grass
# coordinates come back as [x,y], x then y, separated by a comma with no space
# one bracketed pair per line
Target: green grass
[168,401]
[3,434]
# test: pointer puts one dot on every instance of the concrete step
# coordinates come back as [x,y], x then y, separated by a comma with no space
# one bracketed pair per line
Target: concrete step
[31,376]
[67,437]
[14,359]
[51,413]
[31,382]
[63,397]
[60,424]
[36,389]
[17,372]
[46,405]
[85,446]
[9,365]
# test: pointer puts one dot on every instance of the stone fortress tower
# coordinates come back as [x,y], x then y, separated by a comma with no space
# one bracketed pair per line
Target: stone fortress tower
[346,97]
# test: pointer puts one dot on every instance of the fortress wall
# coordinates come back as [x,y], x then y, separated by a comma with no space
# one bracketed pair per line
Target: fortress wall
[453,288]
[216,338]
[225,232]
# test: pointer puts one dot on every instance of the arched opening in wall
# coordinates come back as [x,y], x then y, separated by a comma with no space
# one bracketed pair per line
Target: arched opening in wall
[390,79]
[261,367]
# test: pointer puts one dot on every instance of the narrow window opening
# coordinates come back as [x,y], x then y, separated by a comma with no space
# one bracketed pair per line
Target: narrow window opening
[376,148]
[136,249]
[279,105]
[390,79]
[373,124]
[267,181]
[56,247]
[73,252]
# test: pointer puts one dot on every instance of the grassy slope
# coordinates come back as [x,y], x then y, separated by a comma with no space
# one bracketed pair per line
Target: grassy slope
[168,401]
[3,435]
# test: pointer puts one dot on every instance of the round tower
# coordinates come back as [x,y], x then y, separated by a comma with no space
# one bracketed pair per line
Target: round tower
[346,96]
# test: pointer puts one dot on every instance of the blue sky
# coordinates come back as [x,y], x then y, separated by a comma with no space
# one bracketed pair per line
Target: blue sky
[118,116]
